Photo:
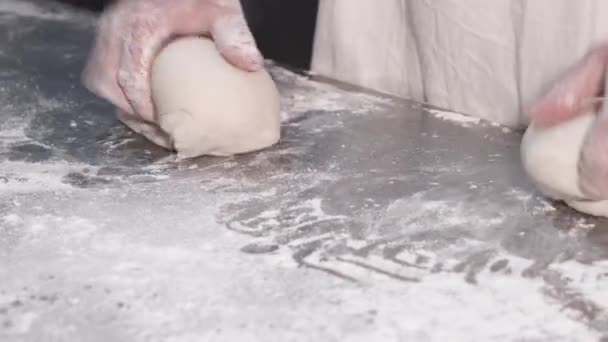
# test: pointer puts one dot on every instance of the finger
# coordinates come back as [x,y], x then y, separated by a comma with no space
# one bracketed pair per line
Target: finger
[100,73]
[235,42]
[140,47]
[566,99]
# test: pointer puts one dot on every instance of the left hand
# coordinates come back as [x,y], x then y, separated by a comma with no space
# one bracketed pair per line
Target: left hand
[131,33]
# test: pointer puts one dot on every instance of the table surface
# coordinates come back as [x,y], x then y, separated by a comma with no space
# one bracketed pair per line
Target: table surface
[374,218]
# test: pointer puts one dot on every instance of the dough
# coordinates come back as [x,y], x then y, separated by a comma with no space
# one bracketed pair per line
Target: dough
[206,106]
[550,158]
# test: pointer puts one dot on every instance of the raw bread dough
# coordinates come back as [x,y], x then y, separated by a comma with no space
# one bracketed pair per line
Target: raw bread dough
[206,106]
[550,157]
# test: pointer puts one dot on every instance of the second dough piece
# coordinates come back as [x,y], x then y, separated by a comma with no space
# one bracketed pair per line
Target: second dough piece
[550,158]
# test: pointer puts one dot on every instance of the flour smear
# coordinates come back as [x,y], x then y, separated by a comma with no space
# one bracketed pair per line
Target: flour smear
[48,11]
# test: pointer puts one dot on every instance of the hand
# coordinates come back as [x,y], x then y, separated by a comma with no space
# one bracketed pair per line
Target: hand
[576,93]
[131,33]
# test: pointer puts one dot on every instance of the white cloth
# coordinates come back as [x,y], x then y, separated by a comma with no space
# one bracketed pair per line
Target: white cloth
[486,58]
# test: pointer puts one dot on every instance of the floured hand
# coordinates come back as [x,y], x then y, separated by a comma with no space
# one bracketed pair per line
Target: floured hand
[132,32]
[574,94]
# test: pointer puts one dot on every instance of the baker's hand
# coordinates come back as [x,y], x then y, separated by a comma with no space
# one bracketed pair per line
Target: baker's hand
[131,33]
[576,93]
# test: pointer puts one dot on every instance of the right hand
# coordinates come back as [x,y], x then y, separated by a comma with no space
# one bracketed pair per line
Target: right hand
[132,32]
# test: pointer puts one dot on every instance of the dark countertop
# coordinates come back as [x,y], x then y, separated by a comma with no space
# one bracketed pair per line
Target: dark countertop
[375,218]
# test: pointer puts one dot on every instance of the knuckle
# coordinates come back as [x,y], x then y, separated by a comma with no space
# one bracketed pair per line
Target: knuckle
[130,82]
[123,78]
[135,89]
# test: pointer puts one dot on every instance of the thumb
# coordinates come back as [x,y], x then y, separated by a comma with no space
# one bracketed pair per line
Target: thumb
[235,42]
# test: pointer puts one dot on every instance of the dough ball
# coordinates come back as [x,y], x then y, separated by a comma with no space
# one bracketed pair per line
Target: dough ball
[206,106]
[550,158]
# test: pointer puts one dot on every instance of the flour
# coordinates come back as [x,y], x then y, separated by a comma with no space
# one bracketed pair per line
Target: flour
[592,281]
[394,261]
[317,96]
[463,120]
[17,115]
[22,177]
[49,11]
[414,294]
[16,138]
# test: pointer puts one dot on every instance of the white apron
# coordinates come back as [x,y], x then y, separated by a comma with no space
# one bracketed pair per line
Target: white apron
[486,58]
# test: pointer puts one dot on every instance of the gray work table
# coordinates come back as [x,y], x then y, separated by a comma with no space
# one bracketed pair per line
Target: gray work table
[373,219]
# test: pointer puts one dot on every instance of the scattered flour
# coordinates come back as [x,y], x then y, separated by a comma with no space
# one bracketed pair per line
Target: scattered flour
[22,177]
[464,120]
[318,96]
[497,296]
[24,8]
[592,281]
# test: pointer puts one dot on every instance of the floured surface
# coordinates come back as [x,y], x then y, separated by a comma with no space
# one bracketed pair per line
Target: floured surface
[372,220]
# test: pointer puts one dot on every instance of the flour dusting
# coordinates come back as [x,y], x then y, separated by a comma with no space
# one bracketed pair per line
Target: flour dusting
[25,8]
[463,120]
[318,96]
[20,177]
